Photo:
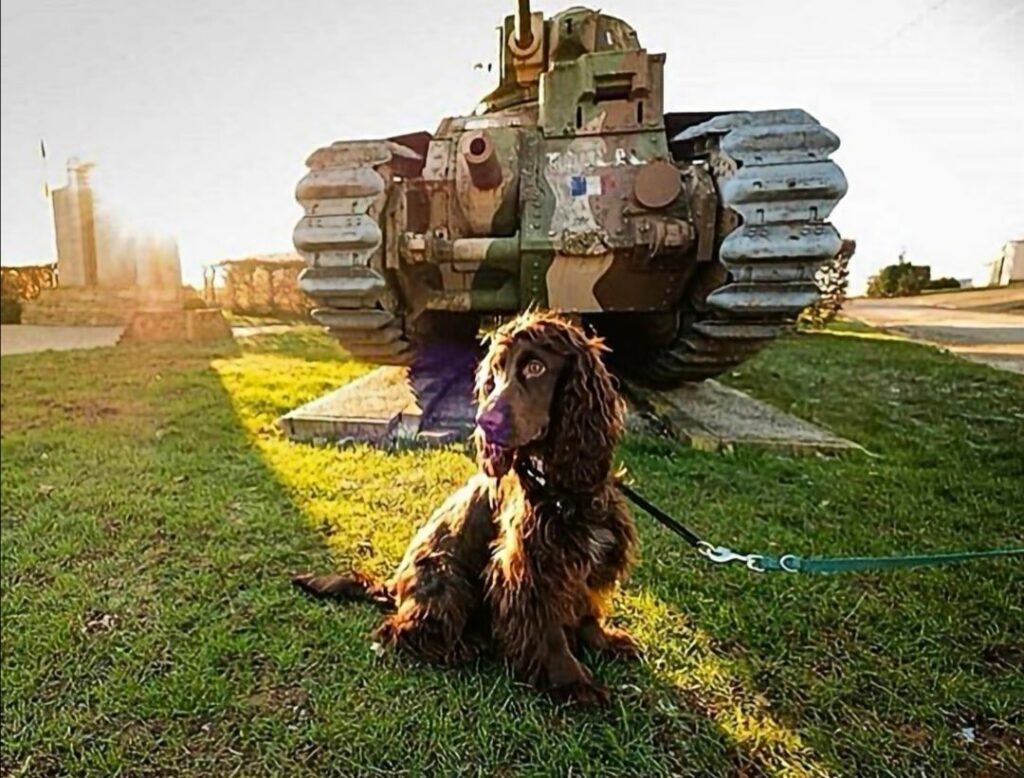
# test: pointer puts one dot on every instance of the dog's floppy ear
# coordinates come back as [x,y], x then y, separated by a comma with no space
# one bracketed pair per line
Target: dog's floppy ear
[587,412]
[483,370]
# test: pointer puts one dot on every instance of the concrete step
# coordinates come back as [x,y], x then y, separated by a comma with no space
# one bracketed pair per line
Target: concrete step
[71,294]
[76,316]
[377,407]
[99,306]
[714,417]
[381,407]
[181,325]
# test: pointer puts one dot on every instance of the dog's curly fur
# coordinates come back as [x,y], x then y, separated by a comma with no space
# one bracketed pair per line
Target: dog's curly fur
[519,563]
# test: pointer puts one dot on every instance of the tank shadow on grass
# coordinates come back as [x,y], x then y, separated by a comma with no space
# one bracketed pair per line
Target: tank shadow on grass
[141,533]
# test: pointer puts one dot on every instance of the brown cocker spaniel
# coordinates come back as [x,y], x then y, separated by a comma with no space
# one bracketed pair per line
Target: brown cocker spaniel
[525,557]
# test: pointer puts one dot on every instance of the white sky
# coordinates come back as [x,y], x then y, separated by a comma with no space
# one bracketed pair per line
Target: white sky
[201,114]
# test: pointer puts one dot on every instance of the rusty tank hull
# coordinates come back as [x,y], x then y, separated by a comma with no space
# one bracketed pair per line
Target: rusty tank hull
[688,239]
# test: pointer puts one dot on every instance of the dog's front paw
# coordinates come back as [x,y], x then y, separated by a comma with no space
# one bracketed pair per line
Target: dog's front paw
[621,644]
[329,586]
[587,693]
[304,581]
[608,640]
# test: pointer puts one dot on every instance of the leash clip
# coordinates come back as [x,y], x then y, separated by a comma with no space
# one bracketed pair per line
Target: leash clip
[722,554]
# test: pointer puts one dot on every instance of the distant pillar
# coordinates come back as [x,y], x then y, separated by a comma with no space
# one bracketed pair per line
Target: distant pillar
[87,211]
[74,224]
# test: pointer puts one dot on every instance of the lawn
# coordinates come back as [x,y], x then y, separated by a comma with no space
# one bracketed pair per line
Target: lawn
[151,514]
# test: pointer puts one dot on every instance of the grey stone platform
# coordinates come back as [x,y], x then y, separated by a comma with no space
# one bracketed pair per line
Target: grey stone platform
[392,404]
[429,404]
[714,417]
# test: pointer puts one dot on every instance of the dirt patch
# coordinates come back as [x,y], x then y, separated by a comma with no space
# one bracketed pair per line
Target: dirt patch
[86,410]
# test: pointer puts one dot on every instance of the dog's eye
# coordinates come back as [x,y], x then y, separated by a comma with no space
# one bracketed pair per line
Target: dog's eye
[534,369]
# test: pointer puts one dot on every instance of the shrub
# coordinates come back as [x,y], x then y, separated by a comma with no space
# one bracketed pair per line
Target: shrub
[900,280]
[833,280]
[10,310]
[943,283]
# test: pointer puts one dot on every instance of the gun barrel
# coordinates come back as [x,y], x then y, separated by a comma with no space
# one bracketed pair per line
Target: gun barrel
[524,30]
[482,160]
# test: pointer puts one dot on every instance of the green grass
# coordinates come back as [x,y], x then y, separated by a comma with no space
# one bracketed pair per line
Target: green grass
[151,514]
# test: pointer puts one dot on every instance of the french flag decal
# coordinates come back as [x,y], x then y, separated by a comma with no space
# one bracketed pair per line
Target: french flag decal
[584,186]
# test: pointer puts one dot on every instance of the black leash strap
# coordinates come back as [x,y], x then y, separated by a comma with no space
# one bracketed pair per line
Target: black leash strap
[540,482]
[657,513]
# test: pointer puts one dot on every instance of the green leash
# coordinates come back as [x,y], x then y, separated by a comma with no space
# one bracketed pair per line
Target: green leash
[791,563]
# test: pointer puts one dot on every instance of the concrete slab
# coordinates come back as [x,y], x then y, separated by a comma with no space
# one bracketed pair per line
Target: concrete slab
[429,404]
[714,417]
[375,408]
[384,406]
[26,338]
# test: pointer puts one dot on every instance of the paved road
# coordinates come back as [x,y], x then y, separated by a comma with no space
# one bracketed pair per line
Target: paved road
[997,339]
[23,338]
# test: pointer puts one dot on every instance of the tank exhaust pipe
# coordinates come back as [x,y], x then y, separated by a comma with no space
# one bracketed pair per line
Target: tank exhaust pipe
[524,29]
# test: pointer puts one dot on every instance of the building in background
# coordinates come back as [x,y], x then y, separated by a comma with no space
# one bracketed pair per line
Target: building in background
[1006,268]
[109,273]
[106,271]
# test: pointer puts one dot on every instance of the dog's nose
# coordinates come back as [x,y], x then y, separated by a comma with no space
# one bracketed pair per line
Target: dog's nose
[491,420]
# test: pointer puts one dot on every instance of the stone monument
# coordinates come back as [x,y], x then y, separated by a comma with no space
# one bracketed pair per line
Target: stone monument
[109,274]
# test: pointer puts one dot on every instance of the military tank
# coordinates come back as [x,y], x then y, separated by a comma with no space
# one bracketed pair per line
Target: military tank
[689,240]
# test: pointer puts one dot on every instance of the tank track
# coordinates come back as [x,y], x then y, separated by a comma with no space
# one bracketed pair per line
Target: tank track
[773,172]
[341,238]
